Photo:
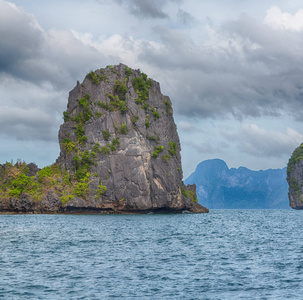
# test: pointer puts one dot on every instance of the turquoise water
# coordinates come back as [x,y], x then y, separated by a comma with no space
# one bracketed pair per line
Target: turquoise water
[226,254]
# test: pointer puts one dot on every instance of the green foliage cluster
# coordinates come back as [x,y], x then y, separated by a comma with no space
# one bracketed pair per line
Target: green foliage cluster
[166,158]
[295,158]
[155,114]
[172,148]
[14,180]
[84,104]
[147,124]
[120,89]
[116,142]
[67,145]
[66,116]
[97,148]
[114,104]
[83,139]
[21,184]
[169,110]
[80,133]
[145,106]
[123,129]
[111,146]
[128,72]
[83,163]
[106,135]
[135,119]
[157,151]
[189,194]
[105,150]
[153,138]
[95,78]
[105,106]
[141,86]
[82,186]
[101,189]
[84,115]
[98,114]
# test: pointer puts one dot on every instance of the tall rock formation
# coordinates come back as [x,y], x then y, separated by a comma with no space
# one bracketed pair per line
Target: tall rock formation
[295,178]
[241,188]
[120,150]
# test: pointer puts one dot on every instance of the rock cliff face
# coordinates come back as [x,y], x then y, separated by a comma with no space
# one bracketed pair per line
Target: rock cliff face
[120,151]
[295,178]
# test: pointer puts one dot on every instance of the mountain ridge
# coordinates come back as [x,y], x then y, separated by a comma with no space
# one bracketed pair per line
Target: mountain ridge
[221,187]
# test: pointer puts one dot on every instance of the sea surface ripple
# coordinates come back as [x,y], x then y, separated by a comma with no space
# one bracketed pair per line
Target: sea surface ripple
[226,254]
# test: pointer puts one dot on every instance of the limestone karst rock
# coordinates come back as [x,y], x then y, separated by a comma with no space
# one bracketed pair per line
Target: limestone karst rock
[118,121]
[120,152]
[295,178]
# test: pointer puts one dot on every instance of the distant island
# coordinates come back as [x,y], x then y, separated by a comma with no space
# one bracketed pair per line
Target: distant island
[295,178]
[120,153]
[220,187]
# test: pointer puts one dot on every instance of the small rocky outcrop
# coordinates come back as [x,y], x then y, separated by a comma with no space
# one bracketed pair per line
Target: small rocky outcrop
[120,151]
[295,178]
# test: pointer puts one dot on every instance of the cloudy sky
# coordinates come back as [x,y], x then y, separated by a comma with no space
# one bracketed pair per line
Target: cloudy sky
[232,68]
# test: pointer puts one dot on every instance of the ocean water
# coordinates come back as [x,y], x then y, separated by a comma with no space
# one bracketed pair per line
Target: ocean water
[226,254]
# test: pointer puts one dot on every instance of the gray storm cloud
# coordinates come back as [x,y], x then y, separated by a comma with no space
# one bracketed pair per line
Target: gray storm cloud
[259,142]
[37,69]
[148,9]
[243,68]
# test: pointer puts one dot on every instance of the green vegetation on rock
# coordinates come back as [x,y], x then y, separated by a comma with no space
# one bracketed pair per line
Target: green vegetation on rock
[84,104]
[120,89]
[189,194]
[135,119]
[106,135]
[82,164]
[114,104]
[295,158]
[95,78]
[141,86]
[66,116]
[157,151]
[123,129]
[147,124]
[166,158]
[101,188]
[155,114]
[168,107]
[128,72]
[153,138]
[67,145]
[14,180]
[172,148]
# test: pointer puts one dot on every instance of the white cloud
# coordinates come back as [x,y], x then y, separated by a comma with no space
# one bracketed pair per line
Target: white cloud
[279,20]
[187,126]
[258,141]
